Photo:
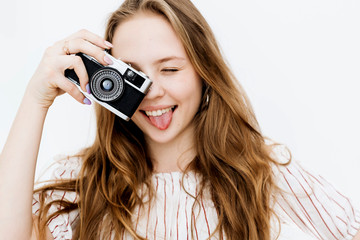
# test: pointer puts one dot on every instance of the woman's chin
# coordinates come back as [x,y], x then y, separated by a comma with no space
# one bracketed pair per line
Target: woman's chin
[159,136]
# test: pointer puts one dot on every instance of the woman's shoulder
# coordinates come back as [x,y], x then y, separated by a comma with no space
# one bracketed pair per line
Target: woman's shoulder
[63,168]
[307,200]
[66,167]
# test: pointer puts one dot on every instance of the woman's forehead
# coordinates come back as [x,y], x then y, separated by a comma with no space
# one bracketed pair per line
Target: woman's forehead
[146,36]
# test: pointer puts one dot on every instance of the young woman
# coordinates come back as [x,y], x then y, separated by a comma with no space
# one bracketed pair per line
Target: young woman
[191,163]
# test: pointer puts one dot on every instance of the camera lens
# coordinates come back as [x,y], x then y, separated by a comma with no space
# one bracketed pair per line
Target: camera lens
[107,84]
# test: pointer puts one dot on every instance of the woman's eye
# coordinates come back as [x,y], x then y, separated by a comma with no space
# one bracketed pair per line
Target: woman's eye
[169,70]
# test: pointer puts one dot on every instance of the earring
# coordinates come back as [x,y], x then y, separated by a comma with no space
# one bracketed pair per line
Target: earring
[206,91]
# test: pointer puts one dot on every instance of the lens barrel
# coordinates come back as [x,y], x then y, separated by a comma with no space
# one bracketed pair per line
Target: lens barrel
[107,84]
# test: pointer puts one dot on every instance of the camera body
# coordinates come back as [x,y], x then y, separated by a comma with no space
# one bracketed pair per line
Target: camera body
[117,87]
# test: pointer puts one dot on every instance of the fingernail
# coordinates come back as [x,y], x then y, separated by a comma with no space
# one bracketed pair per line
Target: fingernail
[108,60]
[108,44]
[88,88]
[87,101]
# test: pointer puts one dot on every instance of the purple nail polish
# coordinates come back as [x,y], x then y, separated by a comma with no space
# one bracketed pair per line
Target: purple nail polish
[87,101]
[88,88]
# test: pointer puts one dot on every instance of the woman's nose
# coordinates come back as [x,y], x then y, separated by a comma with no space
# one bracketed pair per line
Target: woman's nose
[156,90]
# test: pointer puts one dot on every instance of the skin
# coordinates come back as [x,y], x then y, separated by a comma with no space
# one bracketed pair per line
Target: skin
[150,44]
[48,82]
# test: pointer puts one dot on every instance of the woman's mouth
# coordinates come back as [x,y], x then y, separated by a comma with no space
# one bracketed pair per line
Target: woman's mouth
[160,118]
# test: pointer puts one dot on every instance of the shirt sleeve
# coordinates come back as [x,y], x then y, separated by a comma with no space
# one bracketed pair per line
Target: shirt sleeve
[313,204]
[61,225]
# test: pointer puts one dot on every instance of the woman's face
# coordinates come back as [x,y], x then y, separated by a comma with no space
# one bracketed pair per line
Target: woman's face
[148,42]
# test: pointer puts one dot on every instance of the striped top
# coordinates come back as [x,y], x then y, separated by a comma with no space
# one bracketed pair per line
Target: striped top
[308,207]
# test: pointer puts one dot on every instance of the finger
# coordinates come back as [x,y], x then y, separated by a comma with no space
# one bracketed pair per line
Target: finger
[93,38]
[76,63]
[81,45]
[59,47]
[64,84]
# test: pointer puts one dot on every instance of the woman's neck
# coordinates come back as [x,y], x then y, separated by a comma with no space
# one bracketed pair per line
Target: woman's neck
[173,156]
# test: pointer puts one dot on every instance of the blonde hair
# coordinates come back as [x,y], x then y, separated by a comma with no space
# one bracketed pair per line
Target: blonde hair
[231,156]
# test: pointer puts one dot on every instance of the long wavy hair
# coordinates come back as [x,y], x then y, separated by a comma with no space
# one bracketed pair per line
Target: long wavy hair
[232,155]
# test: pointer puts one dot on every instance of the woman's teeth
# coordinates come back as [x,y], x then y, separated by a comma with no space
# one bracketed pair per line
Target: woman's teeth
[158,112]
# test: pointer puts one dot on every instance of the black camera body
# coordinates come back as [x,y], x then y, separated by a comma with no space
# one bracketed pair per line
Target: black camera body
[117,87]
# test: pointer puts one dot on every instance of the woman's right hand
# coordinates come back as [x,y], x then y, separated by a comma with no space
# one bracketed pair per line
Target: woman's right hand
[49,81]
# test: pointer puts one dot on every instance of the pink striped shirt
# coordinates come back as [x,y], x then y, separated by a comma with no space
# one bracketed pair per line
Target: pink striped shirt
[307,205]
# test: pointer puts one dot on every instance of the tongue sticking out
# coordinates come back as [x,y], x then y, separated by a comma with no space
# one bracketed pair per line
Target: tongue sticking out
[162,122]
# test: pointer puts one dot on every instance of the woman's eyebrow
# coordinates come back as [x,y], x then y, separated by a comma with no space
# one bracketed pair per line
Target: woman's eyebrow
[159,61]
[170,58]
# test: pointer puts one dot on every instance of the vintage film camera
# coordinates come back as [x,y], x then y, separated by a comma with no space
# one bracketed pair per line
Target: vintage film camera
[117,87]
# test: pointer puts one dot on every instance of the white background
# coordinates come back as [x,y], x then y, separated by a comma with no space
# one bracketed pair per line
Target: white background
[299,62]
